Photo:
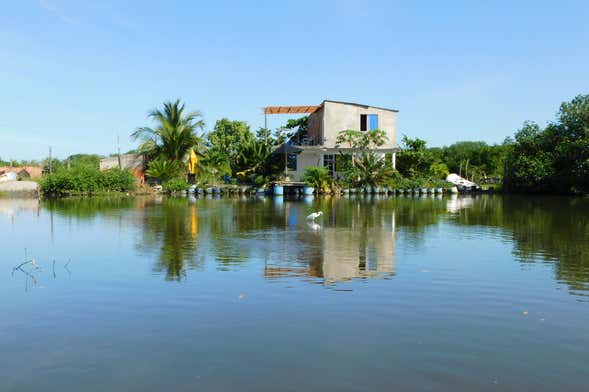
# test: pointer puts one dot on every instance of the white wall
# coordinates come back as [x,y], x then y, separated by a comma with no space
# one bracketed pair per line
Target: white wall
[128,161]
[306,159]
[340,116]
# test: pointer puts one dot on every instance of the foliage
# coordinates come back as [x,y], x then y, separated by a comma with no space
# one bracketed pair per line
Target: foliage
[176,185]
[87,180]
[252,161]
[318,178]
[554,159]
[83,160]
[361,164]
[370,170]
[476,160]
[73,162]
[234,151]
[225,142]
[163,169]
[297,128]
[174,135]
[415,159]
[15,162]
[361,140]
[439,170]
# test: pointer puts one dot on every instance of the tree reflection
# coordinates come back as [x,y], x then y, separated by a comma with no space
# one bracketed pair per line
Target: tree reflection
[548,229]
[173,227]
[355,237]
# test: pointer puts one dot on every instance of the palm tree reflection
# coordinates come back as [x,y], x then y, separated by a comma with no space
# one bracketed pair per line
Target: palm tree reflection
[174,228]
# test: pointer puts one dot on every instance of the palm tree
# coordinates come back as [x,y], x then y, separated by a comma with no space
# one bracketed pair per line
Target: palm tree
[318,177]
[175,133]
[371,169]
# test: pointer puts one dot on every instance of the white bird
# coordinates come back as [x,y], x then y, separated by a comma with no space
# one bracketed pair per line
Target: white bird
[314,215]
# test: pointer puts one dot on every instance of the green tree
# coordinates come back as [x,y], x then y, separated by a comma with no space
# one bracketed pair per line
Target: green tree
[83,160]
[226,142]
[296,129]
[253,161]
[554,159]
[174,135]
[414,160]
[476,160]
[366,166]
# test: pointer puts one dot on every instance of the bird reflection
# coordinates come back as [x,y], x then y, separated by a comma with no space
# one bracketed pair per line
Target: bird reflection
[314,226]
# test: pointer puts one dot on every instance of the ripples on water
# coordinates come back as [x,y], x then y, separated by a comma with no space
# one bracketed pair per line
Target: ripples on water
[481,293]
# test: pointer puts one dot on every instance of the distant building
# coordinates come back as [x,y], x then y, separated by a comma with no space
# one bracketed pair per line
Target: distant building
[23,171]
[325,122]
[135,163]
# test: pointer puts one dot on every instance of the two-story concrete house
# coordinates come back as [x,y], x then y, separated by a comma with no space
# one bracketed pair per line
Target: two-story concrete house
[325,122]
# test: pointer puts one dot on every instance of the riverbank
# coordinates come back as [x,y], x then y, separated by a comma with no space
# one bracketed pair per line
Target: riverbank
[19,189]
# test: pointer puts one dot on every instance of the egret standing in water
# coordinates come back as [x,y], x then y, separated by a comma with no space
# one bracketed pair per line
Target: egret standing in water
[314,215]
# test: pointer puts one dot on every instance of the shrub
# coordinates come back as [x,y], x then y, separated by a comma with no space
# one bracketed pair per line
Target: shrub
[318,178]
[87,180]
[117,180]
[163,169]
[176,185]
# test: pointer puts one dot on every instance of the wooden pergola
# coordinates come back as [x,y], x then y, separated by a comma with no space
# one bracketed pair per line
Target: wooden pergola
[288,110]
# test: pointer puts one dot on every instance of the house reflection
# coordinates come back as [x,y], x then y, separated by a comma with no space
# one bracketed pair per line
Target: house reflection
[335,252]
[12,207]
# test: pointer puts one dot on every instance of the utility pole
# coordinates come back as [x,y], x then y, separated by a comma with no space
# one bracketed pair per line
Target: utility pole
[265,126]
[119,152]
[50,161]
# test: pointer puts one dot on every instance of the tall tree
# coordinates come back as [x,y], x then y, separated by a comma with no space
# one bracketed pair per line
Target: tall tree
[225,143]
[174,135]
[554,159]
[415,159]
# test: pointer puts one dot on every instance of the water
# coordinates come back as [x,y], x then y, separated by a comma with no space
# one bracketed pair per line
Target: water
[423,294]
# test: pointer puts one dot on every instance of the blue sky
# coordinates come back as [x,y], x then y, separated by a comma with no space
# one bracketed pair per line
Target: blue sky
[75,74]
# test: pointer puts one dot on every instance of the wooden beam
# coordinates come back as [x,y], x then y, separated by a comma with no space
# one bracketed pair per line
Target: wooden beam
[290,109]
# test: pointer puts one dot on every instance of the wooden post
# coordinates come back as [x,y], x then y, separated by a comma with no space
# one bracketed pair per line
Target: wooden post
[265,126]
[119,153]
[50,161]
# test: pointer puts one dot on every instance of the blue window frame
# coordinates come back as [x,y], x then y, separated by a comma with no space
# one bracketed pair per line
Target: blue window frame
[372,122]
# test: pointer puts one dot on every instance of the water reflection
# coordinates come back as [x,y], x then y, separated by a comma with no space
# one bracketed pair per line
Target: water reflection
[542,229]
[13,207]
[170,226]
[355,238]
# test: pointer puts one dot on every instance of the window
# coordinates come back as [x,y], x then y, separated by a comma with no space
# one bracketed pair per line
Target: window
[373,122]
[329,163]
[291,162]
[368,122]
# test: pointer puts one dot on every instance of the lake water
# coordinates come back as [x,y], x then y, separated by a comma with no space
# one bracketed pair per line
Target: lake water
[381,294]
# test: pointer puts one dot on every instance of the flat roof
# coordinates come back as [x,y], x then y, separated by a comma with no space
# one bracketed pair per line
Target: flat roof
[361,105]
